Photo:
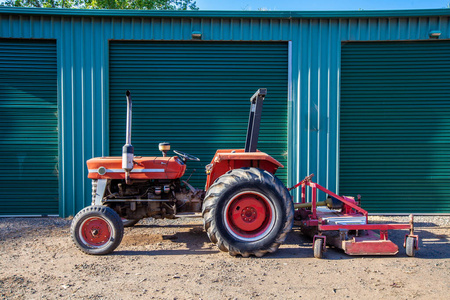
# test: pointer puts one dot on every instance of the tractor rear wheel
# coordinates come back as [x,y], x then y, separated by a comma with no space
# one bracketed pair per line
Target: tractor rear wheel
[97,230]
[247,212]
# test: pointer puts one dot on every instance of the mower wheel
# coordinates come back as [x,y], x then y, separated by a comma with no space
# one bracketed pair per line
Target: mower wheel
[129,222]
[248,211]
[410,246]
[97,230]
[318,248]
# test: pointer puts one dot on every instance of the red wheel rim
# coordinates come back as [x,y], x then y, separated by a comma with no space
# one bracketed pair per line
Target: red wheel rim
[249,216]
[95,232]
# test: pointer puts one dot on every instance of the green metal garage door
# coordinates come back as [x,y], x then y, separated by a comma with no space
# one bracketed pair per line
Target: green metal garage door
[28,128]
[395,126]
[196,96]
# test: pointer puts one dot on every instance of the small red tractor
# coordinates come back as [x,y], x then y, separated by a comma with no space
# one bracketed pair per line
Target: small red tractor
[246,209]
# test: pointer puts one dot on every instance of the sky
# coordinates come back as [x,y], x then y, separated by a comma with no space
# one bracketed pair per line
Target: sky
[320,5]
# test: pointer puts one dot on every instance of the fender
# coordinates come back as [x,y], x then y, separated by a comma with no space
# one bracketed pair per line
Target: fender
[227,160]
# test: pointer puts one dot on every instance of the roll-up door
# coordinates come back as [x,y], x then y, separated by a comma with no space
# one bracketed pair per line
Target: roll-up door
[196,96]
[395,126]
[28,128]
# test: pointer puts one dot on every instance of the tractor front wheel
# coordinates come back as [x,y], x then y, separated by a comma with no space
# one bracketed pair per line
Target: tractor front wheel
[97,230]
[248,211]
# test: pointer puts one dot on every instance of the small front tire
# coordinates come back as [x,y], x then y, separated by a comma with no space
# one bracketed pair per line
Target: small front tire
[97,230]
[411,246]
[318,248]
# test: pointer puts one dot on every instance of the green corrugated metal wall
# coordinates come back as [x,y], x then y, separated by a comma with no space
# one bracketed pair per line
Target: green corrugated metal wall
[395,126]
[196,95]
[28,128]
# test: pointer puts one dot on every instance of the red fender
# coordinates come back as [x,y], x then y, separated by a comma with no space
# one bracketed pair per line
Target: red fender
[227,160]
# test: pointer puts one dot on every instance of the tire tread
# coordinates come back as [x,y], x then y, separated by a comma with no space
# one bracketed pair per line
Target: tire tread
[226,181]
[97,210]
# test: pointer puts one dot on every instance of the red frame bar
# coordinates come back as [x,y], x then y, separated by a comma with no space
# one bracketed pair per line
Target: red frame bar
[352,205]
[303,193]
[314,199]
[364,227]
[314,186]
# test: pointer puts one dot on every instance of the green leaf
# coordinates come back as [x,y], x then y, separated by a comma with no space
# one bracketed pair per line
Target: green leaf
[106,4]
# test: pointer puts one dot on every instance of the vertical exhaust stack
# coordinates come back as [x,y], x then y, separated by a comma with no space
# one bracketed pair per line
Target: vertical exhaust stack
[254,120]
[128,149]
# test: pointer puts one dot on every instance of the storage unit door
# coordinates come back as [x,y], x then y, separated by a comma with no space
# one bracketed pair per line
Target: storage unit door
[28,128]
[196,96]
[395,126]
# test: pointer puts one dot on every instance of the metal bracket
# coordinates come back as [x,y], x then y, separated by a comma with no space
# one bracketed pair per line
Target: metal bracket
[343,234]
[324,241]
[383,234]
[101,187]
[416,240]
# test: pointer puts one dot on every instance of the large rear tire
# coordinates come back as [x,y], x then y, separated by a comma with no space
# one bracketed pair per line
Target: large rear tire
[97,230]
[247,212]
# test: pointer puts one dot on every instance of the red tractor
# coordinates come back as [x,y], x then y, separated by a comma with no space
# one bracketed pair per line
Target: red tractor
[246,209]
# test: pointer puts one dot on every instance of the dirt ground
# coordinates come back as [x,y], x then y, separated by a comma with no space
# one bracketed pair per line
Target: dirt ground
[173,259]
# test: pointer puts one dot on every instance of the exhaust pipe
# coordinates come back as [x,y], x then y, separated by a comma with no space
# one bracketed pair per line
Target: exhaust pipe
[128,149]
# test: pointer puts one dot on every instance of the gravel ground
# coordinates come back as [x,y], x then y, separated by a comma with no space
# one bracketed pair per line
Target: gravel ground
[419,221]
[173,259]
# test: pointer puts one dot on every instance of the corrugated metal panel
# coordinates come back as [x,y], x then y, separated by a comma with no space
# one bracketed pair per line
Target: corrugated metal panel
[196,96]
[313,113]
[226,14]
[28,128]
[395,125]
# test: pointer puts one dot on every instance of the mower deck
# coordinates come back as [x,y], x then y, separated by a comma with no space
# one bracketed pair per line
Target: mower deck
[342,223]
[355,241]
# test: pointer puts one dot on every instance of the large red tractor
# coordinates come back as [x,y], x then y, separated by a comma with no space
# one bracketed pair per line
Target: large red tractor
[246,209]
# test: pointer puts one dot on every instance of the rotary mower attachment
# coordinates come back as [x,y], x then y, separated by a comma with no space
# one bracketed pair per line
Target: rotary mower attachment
[339,221]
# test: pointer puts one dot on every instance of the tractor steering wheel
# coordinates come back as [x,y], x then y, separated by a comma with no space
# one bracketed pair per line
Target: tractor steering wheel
[186,156]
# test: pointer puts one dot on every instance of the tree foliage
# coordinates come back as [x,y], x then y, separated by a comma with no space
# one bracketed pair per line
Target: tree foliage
[106,4]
